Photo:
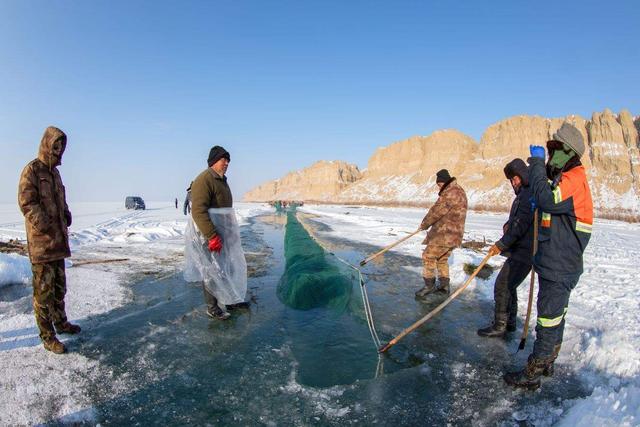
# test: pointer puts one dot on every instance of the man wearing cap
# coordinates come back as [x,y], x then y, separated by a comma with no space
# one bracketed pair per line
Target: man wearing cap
[446,220]
[561,192]
[210,190]
[516,244]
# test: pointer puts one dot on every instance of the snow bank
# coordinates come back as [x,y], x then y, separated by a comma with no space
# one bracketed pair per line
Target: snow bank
[606,407]
[14,269]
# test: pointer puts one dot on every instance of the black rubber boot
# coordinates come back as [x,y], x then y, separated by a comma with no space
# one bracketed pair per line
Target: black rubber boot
[236,306]
[513,315]
[216,312]
[429,287]
[497,329]
[529,377]
[444,286]
[549,370]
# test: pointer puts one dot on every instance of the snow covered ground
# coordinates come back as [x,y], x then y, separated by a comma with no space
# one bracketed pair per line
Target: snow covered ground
[151,242]
[602,341]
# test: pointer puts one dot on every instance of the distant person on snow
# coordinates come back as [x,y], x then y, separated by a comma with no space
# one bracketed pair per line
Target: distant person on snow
[186,207]
[210,190]
[41,197]
[176,203]
[446,220]
[565,230]
[516,244]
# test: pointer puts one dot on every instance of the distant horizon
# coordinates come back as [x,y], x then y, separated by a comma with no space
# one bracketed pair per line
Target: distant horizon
[145,89]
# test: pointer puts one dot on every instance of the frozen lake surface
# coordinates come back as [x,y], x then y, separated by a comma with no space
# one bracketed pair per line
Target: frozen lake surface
[148,354]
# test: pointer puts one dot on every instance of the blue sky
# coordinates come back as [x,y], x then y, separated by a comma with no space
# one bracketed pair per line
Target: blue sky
[145,88]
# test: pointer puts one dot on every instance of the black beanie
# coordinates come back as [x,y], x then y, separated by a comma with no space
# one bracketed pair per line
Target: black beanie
[216,153]
[443,176]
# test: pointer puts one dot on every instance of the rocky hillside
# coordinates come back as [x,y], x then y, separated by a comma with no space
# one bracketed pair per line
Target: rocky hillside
[321,181]
[404,172]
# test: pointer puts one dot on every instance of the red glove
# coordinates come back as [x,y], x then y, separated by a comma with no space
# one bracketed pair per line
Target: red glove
[215,244]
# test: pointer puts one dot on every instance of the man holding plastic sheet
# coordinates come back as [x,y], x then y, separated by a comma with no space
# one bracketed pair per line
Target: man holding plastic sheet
[446,219]
[210,190]
[565,229]
[516,244]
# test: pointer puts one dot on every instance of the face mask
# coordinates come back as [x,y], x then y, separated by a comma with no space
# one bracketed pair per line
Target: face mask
[560,158]
[559,155]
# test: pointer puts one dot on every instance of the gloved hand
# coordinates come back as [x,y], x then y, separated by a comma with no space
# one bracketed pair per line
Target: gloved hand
[537,151]
[532,201]
[215,244]
[494,250]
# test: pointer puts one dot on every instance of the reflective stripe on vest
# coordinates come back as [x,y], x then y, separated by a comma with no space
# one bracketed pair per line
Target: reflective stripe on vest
[546,220]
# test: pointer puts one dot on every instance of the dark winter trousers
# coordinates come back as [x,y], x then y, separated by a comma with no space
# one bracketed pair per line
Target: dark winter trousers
[553,302]
[209,298]
[49,289]
[505,289]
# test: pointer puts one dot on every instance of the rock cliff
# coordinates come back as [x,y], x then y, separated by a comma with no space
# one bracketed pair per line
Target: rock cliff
[321,181]
[404,172]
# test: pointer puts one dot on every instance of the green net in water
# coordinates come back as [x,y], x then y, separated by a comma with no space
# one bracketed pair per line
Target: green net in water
[311,279]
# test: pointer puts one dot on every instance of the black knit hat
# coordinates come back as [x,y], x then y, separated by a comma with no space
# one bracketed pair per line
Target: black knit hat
[517,167]
[217,153]
[443,175]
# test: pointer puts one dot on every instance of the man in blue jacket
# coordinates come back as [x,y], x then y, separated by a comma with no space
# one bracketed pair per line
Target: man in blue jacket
[516,245]
[561,192]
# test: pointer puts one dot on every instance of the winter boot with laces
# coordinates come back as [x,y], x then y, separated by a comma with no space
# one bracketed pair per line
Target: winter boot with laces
[529,377]
[68,328]
[549,369]
[54,346]
[497,329]
[429,287]
[216,312]
[444,286]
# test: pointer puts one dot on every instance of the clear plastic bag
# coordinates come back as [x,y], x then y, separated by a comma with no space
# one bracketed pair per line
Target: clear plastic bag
[224,274]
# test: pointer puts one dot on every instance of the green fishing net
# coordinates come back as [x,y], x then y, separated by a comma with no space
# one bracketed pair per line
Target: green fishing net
[312,278]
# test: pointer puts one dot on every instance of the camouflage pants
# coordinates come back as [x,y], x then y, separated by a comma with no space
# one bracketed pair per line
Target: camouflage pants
[49,289]
[436,258]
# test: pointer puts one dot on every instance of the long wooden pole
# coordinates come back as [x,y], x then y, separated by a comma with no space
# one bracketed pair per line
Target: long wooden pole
[525,331]
[435,310]
[98,261]
[377,254]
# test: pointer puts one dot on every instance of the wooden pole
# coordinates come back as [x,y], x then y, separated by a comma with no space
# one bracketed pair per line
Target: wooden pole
[525,331]
[98,261]
[435,310]
[377,254]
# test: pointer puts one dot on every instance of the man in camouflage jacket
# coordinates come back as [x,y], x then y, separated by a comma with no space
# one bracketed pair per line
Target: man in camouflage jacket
[41,197]
[446,220]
